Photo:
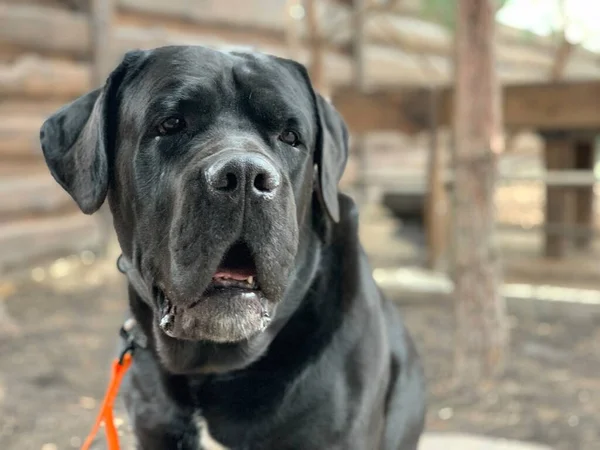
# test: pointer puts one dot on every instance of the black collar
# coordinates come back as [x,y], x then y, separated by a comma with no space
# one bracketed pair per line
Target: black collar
[131,332]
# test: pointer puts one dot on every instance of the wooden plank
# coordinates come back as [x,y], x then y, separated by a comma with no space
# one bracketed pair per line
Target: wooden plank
[436,223]
[23,106]
[18,167]
[34,195]
[42,29]
[557,178]
[359,81]
[315,66]
[564,106]
[558,198]
[19,136]
[35,77]
[584,195]
[255,15]
[72,5]
[101,20]
[294,16]
[378,111]
[28,241]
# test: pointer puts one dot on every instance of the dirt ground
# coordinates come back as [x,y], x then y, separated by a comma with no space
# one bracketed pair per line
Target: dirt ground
[57,338]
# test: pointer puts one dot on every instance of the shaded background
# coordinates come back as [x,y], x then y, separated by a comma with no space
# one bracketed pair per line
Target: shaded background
[62,300]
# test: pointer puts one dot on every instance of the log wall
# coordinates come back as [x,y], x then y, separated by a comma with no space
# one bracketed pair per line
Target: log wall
[49,53]
[49,56]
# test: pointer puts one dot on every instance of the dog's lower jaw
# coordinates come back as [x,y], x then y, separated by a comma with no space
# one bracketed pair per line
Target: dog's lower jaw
[226,329]
[208,356]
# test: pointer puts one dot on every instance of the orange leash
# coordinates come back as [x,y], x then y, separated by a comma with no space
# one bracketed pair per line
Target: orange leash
[119,368]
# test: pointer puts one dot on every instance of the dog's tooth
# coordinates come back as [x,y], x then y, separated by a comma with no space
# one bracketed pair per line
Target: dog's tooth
[250,280]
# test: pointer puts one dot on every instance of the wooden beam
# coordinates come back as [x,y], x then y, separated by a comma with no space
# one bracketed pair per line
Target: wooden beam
[19,136]
[45,29]
[562,106]
[73,5]
[558,198]
[294,11]
[40,78]
[378,111]
[436,222]
[549,106]
[316,68]
[101,19]
[32,196]
[584,195]
[256,17]
[359,16]
[556,178]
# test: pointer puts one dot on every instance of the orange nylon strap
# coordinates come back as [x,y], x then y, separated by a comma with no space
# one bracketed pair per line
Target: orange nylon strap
[105,415]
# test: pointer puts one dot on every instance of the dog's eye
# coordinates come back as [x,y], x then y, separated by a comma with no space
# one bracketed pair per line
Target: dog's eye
[290,137]
[170,126]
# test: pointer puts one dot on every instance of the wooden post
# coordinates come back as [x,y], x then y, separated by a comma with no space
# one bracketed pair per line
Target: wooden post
[101,17]
[292,32]
[316,68]
[482,331]
[584,196]
[436,203]
[558,207]
[358,50]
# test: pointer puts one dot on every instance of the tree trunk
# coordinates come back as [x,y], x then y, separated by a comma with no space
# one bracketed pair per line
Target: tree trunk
[482,332]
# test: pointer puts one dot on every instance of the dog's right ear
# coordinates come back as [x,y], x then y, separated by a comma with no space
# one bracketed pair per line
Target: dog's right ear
[78,140]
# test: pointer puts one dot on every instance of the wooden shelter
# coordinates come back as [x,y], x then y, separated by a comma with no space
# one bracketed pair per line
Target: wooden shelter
[379,61]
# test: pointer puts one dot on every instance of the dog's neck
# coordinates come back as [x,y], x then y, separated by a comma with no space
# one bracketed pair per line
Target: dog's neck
[231,356]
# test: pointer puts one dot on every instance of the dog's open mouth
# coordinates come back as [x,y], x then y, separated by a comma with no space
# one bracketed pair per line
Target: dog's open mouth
[232,308]
[237,270]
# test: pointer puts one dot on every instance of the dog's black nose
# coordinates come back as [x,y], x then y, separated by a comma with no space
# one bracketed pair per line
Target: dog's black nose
[251,173]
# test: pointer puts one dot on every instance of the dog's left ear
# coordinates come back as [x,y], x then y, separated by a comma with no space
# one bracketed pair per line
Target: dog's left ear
[331,155]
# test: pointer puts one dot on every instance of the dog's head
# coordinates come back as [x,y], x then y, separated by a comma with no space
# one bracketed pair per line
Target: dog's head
[210,162]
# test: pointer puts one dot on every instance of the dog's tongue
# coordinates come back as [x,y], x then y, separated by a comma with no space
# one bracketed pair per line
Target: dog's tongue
[234,274]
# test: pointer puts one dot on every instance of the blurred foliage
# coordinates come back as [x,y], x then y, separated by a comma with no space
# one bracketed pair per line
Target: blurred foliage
[444,11]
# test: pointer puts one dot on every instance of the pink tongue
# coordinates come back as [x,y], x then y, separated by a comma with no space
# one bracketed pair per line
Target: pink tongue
[235,274]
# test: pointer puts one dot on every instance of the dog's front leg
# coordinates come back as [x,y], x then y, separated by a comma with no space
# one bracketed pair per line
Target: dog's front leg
[158,423]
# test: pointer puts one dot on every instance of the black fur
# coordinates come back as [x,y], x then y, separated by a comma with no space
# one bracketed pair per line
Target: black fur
[320,360]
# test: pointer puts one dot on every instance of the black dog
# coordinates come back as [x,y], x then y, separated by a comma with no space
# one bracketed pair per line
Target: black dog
[261,314]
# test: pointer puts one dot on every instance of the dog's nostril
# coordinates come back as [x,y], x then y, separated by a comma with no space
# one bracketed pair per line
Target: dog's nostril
[227,182]
[266,182]
[231,180]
